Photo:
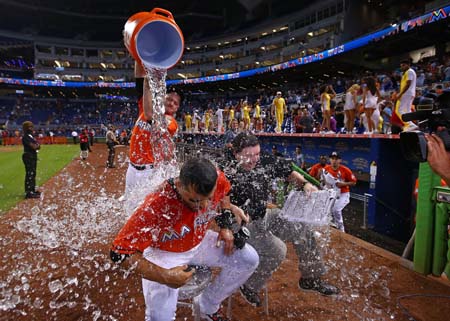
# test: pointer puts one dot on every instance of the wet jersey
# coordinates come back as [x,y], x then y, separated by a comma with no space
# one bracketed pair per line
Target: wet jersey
[314,171]
[163,221]
[343,174]
[251,189]
[141,151]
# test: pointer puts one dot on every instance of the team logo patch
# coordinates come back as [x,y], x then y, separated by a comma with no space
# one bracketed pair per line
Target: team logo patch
[204,218]
[172,235]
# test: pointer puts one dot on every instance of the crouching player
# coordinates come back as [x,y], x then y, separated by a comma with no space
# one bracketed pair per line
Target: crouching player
[169,231]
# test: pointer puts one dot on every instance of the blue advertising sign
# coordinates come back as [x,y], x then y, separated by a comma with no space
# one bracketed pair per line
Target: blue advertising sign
[430,17]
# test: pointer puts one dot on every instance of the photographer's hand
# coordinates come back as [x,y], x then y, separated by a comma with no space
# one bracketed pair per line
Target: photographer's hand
[227,237]
[438,157]
[239,214]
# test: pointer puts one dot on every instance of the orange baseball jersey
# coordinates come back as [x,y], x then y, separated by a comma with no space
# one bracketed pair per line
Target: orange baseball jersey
[141,151]
[314,171]
[343,174]
[163,221]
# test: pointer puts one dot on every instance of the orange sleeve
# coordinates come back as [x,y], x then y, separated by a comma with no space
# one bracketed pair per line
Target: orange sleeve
[349,175]
[172,125]
[313,171]
[223,186]
[140,231]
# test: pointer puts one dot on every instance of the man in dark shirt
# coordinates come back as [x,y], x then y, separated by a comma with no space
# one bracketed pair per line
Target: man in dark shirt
[29,158]
[275,151]
[251,174]
[231,133]
[306,122]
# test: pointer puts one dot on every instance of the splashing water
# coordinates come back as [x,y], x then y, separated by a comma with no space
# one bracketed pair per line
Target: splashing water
[161,141]
[54,251]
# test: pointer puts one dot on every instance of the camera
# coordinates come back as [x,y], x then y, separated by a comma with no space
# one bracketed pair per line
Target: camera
[241,237]
[433,114]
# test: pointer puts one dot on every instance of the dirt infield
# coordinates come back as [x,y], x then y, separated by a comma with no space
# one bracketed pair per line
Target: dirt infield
[55,264]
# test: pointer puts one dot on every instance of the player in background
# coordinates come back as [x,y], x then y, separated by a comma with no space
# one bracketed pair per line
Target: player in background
[84,144]
[143,162]
[340,177]
[316,170]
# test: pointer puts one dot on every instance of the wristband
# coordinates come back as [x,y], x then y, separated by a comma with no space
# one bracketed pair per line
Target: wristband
[117,257]
[225,219]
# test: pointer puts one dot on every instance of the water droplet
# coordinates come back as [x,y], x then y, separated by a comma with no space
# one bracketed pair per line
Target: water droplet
[55,286]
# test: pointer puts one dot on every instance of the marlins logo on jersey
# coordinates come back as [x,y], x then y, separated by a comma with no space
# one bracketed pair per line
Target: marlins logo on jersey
[171,234]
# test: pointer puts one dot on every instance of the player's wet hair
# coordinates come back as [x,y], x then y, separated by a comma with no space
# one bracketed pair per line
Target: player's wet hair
[200,173]
[244,140]
[175,93]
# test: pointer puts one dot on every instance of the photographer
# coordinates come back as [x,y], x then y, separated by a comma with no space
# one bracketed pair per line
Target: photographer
[438,157]
[251,173]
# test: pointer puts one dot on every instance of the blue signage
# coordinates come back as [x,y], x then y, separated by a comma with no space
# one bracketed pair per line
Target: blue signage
[431,17]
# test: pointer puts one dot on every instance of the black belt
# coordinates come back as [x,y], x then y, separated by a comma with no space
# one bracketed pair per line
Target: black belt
[142,167]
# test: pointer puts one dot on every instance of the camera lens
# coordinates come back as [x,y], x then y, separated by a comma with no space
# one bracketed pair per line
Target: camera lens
[241,237]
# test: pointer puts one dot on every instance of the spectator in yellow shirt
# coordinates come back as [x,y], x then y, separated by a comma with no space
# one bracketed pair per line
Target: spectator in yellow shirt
[278,110]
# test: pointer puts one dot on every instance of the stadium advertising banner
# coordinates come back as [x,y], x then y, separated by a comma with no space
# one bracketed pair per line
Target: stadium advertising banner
[395,29]
[406,26]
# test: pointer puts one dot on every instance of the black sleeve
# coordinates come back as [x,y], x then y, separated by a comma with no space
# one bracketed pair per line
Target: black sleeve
[139,87]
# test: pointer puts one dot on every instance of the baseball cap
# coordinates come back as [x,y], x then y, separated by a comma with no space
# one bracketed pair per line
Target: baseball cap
[335,154]
[278,92]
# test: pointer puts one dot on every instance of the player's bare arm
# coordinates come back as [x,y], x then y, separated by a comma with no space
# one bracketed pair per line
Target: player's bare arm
[237,211]
[342,184]
[147,103]
[300,181]
[239,214]
[438,157]
[174,277]
[139,71]
[225,220]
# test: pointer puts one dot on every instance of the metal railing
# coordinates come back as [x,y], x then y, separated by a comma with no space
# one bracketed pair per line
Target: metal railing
[365,199]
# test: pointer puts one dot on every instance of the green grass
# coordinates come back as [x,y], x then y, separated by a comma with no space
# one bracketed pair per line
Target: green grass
[51,159]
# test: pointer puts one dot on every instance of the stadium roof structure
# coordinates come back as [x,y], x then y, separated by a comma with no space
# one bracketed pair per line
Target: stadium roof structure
[103,20]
